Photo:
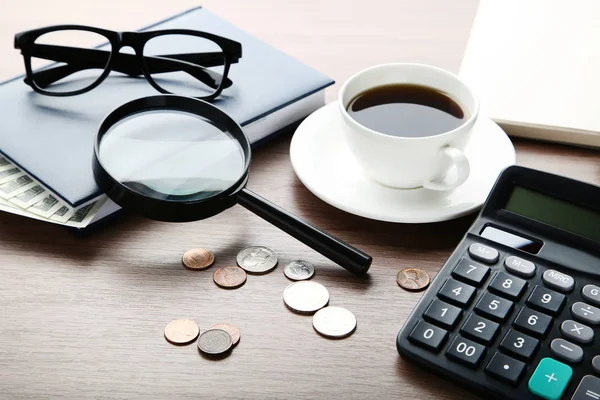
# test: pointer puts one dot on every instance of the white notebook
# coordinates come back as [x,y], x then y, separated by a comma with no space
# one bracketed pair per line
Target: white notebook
[535,65]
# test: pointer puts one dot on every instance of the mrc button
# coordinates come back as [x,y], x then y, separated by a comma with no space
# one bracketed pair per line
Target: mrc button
[558,280]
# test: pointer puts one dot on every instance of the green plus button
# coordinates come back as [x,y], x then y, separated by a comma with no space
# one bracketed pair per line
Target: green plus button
[550,379]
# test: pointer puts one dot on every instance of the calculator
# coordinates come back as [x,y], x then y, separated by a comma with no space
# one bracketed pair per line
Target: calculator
[514,313]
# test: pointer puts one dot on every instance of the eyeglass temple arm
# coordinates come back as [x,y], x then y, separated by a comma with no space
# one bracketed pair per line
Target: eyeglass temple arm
[79,59]
[331,247]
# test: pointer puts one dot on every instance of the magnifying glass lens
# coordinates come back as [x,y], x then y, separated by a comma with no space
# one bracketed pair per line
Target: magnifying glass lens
[172,156]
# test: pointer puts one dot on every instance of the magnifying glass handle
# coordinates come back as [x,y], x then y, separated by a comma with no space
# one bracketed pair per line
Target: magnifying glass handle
[335,249]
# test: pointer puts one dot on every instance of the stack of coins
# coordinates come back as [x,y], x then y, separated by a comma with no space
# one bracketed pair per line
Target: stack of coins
[215,342]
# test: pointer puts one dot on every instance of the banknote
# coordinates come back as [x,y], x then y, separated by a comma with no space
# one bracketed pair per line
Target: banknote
[10,174]
[29,197]
[46,207]
[16,186]
[4,161]
[84,215]
[63,214]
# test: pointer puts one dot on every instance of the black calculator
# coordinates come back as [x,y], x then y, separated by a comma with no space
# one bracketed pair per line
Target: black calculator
[514,313]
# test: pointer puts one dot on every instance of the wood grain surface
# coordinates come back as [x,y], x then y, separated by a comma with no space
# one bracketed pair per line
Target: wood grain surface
[83,317]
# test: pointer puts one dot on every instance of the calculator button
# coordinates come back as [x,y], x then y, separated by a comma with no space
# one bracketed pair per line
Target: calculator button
[442,314]
[505,368]
[533,322]
[596,364]
[588,389]
[471,272]
[428,336]
[550,379]
[546,300]
[519,345]
[508,286]
[457,292]
[480,329]
[494,307]
[483,253]
[566,351]
[591,293]
[586,313]
[577,332]
[520,267]
[466,352]
[558,280]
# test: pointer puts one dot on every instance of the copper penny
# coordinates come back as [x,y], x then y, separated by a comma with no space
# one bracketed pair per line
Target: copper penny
[198,259]
[412,279]
[181,331]
[230,277]
[233,331]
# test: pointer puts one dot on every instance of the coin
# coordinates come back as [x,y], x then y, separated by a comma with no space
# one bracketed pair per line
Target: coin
[305,297]
[198,259]
[214,342]
[299,270]
[181,331]
[412,279]
[334,322]
[230,277]
[257,259]
[233,331]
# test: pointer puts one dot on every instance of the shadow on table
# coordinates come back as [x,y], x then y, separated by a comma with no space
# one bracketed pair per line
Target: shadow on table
[439,235]
[32,236]
[430,384]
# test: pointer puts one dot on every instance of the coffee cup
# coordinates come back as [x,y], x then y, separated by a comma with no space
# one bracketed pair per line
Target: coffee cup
[407,159]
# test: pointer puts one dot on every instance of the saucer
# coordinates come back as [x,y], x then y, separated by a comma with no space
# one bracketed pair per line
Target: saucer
[324,164]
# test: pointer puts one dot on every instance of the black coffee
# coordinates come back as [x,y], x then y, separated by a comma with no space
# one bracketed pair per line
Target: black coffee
[406,110]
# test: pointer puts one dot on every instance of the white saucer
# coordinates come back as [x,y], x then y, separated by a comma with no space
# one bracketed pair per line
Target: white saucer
[324,164]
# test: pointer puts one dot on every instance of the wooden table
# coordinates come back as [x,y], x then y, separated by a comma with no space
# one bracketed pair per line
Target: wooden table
[83,317]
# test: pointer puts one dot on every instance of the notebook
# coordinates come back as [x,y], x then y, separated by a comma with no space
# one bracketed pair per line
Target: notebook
[535,66]
[49,140]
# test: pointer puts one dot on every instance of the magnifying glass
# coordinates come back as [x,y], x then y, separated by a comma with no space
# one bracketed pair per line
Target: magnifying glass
[173,158]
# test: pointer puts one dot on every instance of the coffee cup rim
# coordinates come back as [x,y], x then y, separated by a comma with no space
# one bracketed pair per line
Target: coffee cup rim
[342,106]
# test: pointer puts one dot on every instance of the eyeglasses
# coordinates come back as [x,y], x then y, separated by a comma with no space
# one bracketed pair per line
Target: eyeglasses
[177,61]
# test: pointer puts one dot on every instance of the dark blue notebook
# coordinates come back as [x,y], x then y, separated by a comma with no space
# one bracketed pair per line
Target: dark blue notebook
[51,138]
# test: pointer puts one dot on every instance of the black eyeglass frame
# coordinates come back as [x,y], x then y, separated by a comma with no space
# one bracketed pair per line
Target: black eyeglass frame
[25,41]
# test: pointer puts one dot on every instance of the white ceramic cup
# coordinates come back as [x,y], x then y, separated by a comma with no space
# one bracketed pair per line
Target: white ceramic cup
[410,162]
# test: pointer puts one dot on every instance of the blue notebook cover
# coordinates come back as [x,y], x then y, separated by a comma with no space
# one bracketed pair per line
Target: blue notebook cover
[51,138]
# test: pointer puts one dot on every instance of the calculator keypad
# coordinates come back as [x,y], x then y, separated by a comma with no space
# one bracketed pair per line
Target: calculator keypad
[494,307]
[480,329]
[457,292]
[465,352]
[533,322]
[442,314]
[519,345]
[546,300]
[471,272]
[508,286]
[515,293]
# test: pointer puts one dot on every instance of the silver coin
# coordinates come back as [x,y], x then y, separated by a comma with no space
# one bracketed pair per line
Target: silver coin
[215,342]
[305,297]
[299,270]
[334,322]
[257,259]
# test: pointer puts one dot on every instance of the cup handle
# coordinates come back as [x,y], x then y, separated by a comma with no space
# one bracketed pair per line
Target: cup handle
[463,169]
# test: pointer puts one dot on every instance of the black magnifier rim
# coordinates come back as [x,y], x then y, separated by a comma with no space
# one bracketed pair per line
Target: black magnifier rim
[174,208]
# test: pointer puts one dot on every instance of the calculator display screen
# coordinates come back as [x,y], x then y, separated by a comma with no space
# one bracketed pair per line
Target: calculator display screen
[555,212]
